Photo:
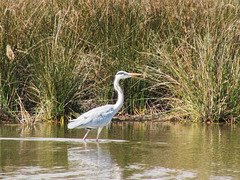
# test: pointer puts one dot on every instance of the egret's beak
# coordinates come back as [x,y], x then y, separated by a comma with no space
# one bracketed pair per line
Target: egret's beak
[134,74]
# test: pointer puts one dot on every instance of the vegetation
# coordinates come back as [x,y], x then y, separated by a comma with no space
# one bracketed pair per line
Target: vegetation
[58,58]
[199,61]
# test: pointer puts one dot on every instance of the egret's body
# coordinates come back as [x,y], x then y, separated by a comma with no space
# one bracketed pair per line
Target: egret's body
[101,116]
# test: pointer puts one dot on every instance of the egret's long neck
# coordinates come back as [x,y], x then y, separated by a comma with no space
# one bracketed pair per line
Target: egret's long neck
[119,102]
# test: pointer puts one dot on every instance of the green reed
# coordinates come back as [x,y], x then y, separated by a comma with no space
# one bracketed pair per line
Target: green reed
[67,53]
[199,65]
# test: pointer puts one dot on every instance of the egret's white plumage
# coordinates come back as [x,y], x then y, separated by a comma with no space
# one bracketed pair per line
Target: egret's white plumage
[102,116]
[94,118]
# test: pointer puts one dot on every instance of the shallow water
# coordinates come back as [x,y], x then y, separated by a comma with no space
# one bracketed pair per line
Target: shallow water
[128,150]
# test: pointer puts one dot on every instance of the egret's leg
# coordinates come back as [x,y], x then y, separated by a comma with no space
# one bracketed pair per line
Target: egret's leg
[86,134]
[99,130]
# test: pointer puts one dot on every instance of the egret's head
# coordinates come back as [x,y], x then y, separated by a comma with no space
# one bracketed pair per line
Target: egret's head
[124,75]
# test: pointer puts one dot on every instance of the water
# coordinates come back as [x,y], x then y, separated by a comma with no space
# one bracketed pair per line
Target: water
[128,150]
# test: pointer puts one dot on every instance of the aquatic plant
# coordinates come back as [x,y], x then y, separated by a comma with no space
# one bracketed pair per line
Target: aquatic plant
[199,64]
[65,52]
[60,57]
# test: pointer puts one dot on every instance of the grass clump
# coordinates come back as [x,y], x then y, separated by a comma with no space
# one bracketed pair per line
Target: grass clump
[200,64]
[49,72]
[59,83]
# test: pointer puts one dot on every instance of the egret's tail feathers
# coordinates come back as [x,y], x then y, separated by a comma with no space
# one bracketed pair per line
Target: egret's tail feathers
[73,124]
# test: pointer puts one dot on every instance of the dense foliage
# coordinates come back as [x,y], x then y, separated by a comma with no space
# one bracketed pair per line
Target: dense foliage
[59,57]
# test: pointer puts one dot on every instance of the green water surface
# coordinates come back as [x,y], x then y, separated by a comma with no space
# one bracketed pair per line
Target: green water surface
[128,150]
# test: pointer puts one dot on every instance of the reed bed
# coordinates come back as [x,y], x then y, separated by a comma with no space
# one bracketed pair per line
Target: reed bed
[60,57]
[199,63]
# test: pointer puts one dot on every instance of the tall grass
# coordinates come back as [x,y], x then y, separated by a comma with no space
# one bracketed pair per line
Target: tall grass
[66,54]
[200,64]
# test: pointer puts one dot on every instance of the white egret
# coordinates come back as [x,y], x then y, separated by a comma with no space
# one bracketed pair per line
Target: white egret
[101,116]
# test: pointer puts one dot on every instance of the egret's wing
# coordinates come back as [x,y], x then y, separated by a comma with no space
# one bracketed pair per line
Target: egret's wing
[97,117]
